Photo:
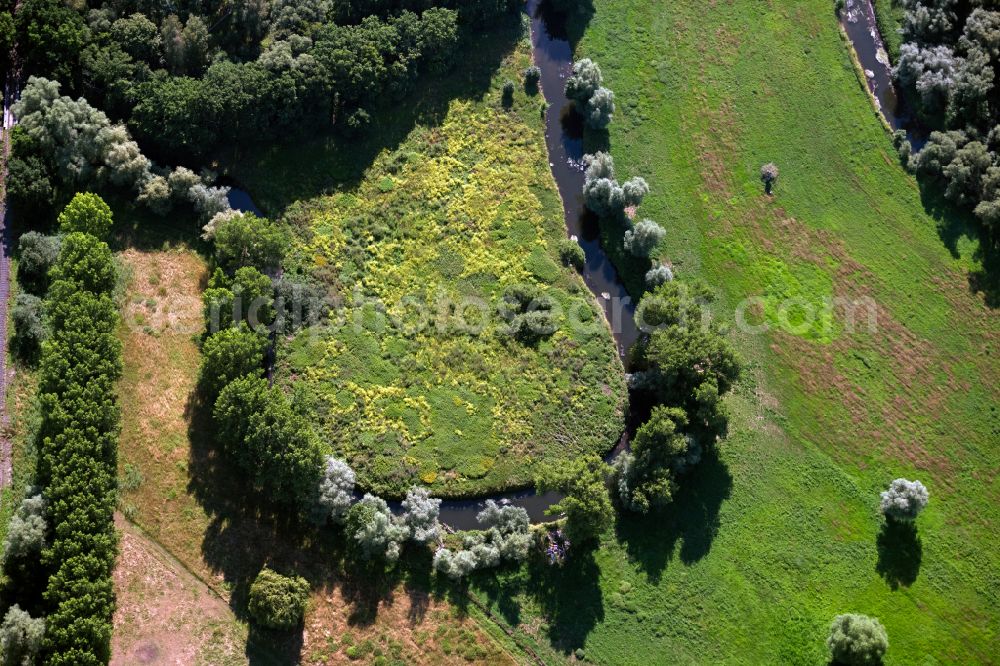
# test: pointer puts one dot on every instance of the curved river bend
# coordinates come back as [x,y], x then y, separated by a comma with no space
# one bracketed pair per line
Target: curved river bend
[554,57]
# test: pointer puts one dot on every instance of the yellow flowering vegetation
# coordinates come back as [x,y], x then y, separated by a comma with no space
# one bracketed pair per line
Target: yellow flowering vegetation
[416,380]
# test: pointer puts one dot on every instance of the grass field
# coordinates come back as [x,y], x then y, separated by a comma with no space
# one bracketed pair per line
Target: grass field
[779,534]
[462,209]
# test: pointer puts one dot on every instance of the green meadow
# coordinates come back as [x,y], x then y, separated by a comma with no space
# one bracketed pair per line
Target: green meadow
[779,532]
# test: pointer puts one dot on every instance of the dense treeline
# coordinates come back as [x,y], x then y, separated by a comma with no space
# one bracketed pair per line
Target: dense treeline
[188,76]
[947,66]
[77,440]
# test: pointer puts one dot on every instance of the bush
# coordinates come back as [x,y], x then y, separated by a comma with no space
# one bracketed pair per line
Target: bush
[278,602]
[857,640]
[29,329]
[532,76]
[769,174]
[658,275]
[904,500]
[643,238]
[507,97]
[572,254]
[20,637]
[86,213]
[336,490]
[37,254]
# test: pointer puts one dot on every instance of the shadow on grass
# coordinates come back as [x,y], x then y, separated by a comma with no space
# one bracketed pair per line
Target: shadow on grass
[899,553]
[280,173]
[568,596]
[692,519]
[953,224]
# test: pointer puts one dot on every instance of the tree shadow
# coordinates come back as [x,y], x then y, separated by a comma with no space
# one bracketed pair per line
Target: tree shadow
[278,173]
[899,553]
[954,224]
[566,19]
[569,597]
[692,520]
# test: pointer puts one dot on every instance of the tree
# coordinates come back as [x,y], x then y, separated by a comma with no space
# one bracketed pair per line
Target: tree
[507,527]
[248,240]
[274,446]
[50,37]
[904,500]
[228,354]
[29,329]
[930,73]
[642,239]
[455,565]
[86,213]
[646,477]
[583,82]
[768,175]
[599,109]
[374,531]
[336,490]
[26,532]
[857,640]
[276,601]
[137,36]
[86,262]
[420,515]
[582,481]
[37,254]
[572,254]
[20,637]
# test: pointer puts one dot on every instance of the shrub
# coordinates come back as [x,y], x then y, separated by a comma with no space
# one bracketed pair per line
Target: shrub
[86,213]
[420,515]
[29,330]
[278,602]
[857,640]
[336,490]
[532,76]
[455,565]
[904,500]
[20,637]
[37,254]
[507,97]
[228,354]
[374,531]
[658,275]
[769,174]
[643,238]
[572,254]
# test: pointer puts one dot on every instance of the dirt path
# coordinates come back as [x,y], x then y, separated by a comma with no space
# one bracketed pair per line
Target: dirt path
[6,467]
[165,614]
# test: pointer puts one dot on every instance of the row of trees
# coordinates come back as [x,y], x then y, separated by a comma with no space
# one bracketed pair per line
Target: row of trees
[61,545]
[947,67]
[61,146]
